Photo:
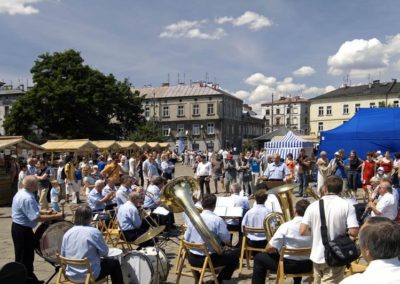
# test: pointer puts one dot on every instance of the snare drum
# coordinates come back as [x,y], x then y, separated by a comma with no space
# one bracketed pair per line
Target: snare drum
[115,253]
[49,238]
[141,266]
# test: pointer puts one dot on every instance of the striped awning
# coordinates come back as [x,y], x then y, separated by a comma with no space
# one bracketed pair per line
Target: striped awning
[284,151]
[290,143]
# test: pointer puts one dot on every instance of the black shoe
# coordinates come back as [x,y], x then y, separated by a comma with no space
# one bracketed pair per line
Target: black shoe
[299,195]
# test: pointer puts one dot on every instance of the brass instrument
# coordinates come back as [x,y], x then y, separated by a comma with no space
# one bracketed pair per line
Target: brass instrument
[144,215]
[272,222]
[312,193]
[177,195]
[285,197]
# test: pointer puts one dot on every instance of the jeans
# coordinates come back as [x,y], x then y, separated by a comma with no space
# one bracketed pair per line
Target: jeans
[204,183]
[352,180]
[113,268]
[264,261]
[303,182]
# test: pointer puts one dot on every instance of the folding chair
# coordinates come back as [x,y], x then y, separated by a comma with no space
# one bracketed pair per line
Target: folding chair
[180,253]
[247,249]
[208,266]
[280,273]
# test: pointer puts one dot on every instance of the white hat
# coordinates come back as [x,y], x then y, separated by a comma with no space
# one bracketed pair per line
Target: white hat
[109,159]
[379,152]
[337,154]
[380,169]
[14,156]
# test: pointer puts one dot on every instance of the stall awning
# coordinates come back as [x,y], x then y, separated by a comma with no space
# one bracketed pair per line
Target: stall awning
[82,145]
[10,142]
[290,143]
[141,144]
[126,145]
[164,145]
[110,145]
[152,144]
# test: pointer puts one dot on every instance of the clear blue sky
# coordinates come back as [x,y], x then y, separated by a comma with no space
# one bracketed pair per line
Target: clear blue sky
[251,48]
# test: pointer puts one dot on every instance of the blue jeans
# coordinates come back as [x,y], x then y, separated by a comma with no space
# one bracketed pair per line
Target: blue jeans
[303,182]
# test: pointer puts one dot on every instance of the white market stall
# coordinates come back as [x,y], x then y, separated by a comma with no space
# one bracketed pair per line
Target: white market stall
[290,143]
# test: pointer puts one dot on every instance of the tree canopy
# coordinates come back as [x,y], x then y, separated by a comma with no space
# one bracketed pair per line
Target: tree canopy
[148,131]
[72,100]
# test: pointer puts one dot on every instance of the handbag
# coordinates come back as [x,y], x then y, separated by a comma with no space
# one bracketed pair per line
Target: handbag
[342,250]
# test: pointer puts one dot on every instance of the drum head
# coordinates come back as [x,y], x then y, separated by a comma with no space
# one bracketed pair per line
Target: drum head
[51,240]
[162,263]
[114,252]
[136,268]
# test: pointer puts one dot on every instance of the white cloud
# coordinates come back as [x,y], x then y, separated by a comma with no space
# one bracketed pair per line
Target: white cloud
[251,19]
[259,79]
[18,7]
[360,58]
[191,29]
[304,71]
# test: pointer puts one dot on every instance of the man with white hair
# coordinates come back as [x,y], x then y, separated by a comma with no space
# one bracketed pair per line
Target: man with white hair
[386,205]
[96,200]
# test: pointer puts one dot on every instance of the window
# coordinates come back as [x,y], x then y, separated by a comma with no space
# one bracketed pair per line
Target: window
[357,107]
[6,110]
[210,128]
[320,111]
[267,122]
[320,126]
[288,121]
[165,111]
[166,130]
[196,110]
[196,129]
[267,112]
[180,129]
[181,111]
[305,120]
[288,110]
[278,111]
[329,110]
[372,105]
[147,112]
[210,109]
[278,121]
[395,103]
[345,109]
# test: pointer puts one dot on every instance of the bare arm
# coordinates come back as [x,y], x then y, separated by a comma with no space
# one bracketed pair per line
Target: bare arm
[353,232]
[305,230]
[270,249]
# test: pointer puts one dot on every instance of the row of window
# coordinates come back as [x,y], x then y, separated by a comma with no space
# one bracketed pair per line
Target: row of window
[181,110]
[288,122]
[289,110]
[321,109]
[196,129]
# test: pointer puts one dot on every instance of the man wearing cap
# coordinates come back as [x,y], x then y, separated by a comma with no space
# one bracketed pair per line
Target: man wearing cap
[276,171]
[336,168]
[204,173]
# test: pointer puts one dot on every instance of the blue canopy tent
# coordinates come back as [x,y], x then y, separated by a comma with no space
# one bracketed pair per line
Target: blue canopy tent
[370,129]
[290,143]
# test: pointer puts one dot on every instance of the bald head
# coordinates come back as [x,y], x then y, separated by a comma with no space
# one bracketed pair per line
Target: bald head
[277,158]
[30,183]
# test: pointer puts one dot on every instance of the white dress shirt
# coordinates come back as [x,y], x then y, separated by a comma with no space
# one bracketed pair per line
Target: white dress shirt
[387,206]
[339,215]
[382,271]
[255,218]
[215,224]
[277,171]
[204,169]
[272,203]
[288,234]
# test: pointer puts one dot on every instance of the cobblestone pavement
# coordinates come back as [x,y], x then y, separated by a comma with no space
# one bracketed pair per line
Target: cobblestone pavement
[44,270]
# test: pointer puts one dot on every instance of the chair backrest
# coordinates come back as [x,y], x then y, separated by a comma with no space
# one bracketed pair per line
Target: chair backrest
[252,230]
[196,246]
[76,263]
[294,252]
[272,222]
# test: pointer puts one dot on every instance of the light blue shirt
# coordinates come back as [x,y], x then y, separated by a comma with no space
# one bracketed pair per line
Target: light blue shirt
[152,197]
[25,209]
[128,217]
[152,170]
[215,224]
[107,190]
[255,218]
[122,195]
[167,167]
[80,242]
[94,200]
[275,171]
[30,170]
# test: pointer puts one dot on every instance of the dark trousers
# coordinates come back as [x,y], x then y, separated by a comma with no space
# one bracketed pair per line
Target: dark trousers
[229,259]
[303,183]
[111,267]
[352,180]
[203,182]
[236,228]
[257,244]
[264,261]
[24,248]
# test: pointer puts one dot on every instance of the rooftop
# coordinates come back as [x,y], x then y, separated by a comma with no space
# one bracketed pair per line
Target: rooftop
[286,100]
[191,90]
[375,88]
[11,92]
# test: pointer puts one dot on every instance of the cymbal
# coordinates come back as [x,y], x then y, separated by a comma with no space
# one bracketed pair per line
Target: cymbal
[150,234]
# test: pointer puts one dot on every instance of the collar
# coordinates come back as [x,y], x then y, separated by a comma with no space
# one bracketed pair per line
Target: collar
[123,188]
[330,196]
[207,211]
[259,206]
[276,165]
[378,264]
[27,191]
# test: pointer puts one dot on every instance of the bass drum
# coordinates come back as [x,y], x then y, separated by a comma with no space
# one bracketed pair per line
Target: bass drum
[140,267]
[48,239]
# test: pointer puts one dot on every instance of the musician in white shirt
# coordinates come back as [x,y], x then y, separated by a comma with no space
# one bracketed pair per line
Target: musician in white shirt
[287,235]
[379,240]
[386,206]
[255,218]
[204,173]
[272,202]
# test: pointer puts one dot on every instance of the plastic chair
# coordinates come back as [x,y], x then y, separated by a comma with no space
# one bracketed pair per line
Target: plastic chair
[78,263]
[280,273]
[208,266]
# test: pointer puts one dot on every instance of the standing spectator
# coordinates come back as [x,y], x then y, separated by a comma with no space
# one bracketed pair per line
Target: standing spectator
[71,185]
[354,164]
[31,169]
[368,170]
[140,169]
[217,172]
[386,163]
[336,167]
[112,171]
[124,164]
[322,164]
[304,164]
[78,180]
[290,164]
[166,167]
[204,173]
[132,166]
[55,195]
[244,175]
[61,177]
[150,170]
[255,166]
[43,176]
[230,170]
[101,164]
[340,218]
[14,171]
[21,176]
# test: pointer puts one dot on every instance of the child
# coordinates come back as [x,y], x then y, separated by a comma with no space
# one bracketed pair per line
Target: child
[54,195]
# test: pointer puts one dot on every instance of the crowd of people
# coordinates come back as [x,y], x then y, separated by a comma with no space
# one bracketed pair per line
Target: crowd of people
[131,188]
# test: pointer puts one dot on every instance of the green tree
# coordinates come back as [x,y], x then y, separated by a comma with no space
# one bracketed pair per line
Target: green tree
[72,100]
[148,131]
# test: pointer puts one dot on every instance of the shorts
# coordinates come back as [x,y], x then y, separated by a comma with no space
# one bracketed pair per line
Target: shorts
[72,187]
[218,177]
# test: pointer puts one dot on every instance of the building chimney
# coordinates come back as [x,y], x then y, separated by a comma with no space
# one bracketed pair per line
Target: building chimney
[165,85]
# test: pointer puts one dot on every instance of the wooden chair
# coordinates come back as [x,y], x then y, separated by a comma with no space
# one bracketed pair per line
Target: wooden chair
[78,263]
[180,254]
[208,266]
[354,268]
[280,273]
[116,237]
[247,249]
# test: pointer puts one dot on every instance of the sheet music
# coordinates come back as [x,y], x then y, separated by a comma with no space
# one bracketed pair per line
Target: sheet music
[161,211]
[220,211]
[225,202]
[232,211]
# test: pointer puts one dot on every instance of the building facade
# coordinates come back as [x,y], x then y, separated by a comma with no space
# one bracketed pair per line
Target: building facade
[201,115]
[334,108]
[8,96]
[289,112]
[251,126]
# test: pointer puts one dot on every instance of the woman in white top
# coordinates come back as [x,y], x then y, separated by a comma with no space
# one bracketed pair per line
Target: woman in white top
[21,176]
[322,165]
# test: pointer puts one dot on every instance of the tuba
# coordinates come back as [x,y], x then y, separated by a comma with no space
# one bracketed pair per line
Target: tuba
[285,197]
[177,195]
[312,193]
[272,222]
